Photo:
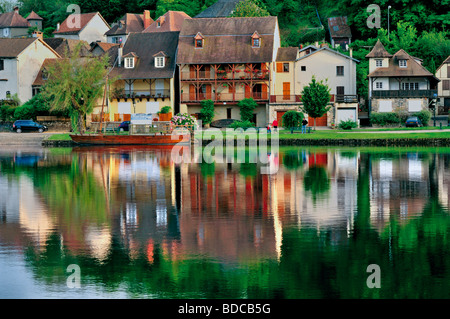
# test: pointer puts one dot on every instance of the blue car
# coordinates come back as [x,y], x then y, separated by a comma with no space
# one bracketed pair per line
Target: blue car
[124,126]
[413,122]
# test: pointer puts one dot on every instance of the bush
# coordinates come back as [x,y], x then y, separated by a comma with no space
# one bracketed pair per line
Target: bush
[165,110]
[246,109]
[347,125]
[7,113]
[424,116]
[207,111]
[242,124]
[384,118]
[292,119]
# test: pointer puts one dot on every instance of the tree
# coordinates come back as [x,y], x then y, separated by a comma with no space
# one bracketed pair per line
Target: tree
[207,111]
[292,119]
[74,84]
[246,107]
[315,98]
[250,8]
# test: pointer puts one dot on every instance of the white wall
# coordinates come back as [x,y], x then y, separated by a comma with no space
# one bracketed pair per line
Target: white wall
[322,65]
[30,62]
[9,74]
[94,31]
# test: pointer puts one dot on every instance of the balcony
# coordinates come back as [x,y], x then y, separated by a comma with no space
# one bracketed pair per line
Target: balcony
[223,97]
[345,98]
[403,93]
[140,94]
[285,98]
[239,75]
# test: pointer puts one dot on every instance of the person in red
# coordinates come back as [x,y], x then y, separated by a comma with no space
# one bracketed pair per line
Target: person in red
[275,125]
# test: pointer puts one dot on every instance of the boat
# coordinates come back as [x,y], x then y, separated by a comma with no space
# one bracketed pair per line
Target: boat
[132,139]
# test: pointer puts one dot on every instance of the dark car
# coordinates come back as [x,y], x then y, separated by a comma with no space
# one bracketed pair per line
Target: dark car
[28,126]
[124,126]
[413,122]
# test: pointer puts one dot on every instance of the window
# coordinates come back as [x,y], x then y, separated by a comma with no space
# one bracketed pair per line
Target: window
[285,67]
[44,75]
[379,85]
[410,86]
[199,43]
[446,84]
[2,64]
[402,63]
[158,24]
[378,63]
[303,68]
[339,70]
[159,62]
[129,63]
[256,43]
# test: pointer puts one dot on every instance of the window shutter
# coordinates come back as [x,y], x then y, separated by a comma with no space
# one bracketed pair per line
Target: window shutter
[279,67]
[446,84]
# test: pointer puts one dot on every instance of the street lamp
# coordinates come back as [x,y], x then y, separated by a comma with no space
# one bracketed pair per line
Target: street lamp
[389,7]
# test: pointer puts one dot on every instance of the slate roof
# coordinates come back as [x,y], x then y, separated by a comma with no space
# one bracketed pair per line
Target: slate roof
[130,22]
[145,46]
[103,45]
[220,9]
[287,54]
[85,19]
[11,48]
[226,40]
[339,28]
[13,20]
[34,16]
[172,21]
[61,46]
[378,51]
[413,68]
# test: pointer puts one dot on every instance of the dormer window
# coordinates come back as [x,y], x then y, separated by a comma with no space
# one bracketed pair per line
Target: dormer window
[158,24]
[379,63]
[129,63]
[198,41]
[256,40]
[159,61]
[402,63]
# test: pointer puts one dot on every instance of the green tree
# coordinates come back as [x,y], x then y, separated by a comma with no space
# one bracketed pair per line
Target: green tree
[292,119]
[250,8]
[315,98]
[207,111]
[246,107]
[74,84]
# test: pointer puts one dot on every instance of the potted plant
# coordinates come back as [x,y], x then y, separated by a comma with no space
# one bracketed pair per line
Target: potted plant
[165,113]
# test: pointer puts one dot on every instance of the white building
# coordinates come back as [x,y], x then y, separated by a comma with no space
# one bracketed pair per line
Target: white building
[20,62]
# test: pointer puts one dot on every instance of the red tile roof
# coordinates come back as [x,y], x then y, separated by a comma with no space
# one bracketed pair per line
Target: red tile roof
[170,21]
[11,48]
[13,19]
[379,51]
[34,16]
[339,28]
[85,19]
[130,22]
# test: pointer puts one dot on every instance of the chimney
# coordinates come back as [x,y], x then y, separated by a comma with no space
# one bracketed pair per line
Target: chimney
[147,19]
[119,56]
[16,9]
[38,34]
[316,44]
[350,51]
[58,26]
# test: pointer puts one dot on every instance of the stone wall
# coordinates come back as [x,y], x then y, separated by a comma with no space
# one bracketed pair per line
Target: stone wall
[398,104]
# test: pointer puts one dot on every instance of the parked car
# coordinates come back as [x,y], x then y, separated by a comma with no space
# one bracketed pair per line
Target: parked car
[413,122]
[124,126]
[20,126]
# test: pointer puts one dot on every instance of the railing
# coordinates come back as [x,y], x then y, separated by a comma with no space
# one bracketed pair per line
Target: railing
[403,93]
[342,98]
[285,98]
[224,97]
[159,93]
[224,76]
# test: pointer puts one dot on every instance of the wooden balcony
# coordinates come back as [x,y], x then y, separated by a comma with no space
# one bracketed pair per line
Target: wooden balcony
[139,94]
[210,76]
[345,98]
[403,93]
[285,98]
[224,97]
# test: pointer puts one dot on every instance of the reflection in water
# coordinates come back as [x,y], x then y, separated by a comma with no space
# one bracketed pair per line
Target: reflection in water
[140,225]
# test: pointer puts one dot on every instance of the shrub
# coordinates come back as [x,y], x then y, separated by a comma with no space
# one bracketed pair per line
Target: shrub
[292,119]
[424,116]
[7,113]
[207,111]
[246,109]
[384,118]
[165,110]
[347,125]
[184,119]
[242,124]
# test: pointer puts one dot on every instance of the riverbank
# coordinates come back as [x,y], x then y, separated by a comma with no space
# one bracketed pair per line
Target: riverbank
[318,138]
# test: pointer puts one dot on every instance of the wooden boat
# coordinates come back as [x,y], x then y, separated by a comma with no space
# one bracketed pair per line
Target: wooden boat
[144,139]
